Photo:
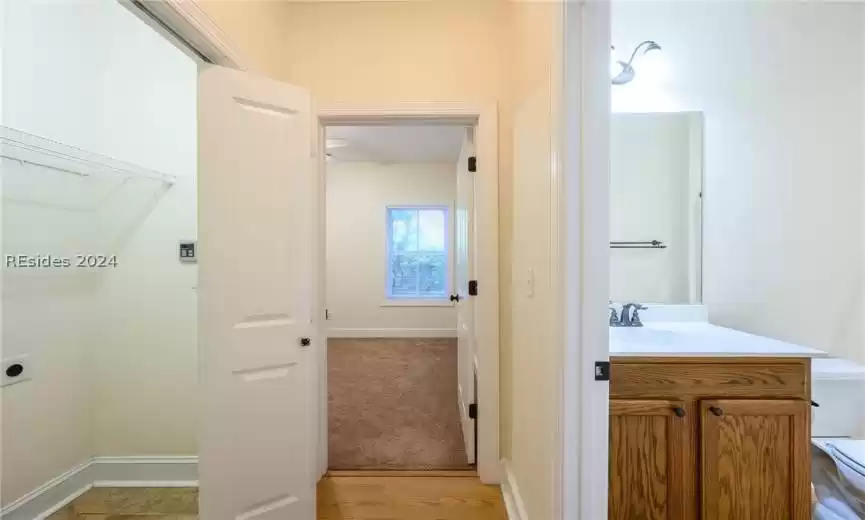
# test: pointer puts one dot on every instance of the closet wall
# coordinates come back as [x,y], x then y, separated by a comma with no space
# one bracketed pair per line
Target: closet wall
[91,75]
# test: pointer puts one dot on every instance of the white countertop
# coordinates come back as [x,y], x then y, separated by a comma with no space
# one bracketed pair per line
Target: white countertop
[698,339]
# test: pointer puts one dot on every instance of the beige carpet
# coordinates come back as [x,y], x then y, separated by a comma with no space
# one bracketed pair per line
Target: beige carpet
[392,404]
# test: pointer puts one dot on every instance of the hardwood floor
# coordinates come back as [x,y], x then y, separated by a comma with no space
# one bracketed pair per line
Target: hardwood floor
[408,498]
[371,496]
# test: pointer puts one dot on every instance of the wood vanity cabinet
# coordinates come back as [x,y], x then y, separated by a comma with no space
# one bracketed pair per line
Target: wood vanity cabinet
[710,439]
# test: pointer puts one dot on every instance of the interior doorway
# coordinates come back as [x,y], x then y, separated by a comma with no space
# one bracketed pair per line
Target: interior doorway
[400,333]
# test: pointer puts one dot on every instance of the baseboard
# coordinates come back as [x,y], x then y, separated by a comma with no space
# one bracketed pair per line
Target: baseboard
[511,494]
[391,333]
[50,496]
[139,471]
[178,471]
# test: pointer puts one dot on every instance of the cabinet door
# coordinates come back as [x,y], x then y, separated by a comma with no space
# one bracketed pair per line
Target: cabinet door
[650,462]
[755,460]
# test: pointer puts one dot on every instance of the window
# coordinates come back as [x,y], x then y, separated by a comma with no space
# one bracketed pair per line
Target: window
[417,253]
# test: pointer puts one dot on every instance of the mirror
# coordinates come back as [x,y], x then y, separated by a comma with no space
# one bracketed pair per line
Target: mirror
[656,184]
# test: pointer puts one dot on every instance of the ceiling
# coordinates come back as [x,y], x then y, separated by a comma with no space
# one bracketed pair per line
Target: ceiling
[395,143]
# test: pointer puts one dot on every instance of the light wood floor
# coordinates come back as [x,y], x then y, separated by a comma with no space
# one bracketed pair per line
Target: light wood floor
[409,498]
[371,496]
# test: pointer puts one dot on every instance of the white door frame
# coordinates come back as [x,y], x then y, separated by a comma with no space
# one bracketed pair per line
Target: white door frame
[486,251]
[581,265]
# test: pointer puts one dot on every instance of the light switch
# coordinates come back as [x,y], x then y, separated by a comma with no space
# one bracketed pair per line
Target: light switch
[530,283]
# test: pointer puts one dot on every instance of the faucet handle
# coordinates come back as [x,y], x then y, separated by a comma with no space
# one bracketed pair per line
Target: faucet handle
[635,317]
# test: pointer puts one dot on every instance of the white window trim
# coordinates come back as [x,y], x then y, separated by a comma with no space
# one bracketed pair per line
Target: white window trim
[418,301]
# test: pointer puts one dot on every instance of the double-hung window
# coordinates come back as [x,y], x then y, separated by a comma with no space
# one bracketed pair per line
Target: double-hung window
[417,253]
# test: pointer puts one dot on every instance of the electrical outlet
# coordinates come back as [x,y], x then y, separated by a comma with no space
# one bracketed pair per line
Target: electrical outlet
[16,370]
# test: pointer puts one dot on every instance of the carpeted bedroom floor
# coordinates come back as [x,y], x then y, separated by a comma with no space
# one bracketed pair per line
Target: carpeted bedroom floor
[392,404]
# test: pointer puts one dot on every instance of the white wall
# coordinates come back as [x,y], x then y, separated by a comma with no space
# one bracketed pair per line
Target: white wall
[781,86]
[357,197]
[652,198]
[114,352]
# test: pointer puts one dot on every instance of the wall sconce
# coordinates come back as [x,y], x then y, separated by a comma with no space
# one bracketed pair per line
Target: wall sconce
[622,72]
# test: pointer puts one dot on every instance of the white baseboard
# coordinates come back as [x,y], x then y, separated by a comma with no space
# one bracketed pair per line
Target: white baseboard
[180,471]
[511,495]
[391,333]
[50,496]
[139,471]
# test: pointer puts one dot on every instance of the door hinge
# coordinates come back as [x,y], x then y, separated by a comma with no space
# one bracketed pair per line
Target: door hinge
[473,164]
[473,411]
[602,370]
[473,287]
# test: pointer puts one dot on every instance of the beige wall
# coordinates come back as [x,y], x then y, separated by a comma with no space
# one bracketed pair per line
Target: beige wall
[533,391]
[358,195]
[367,52]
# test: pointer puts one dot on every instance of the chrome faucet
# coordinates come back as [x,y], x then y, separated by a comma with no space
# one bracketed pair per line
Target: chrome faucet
[628,319]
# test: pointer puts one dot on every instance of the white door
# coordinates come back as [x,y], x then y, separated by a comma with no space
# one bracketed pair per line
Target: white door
[465,304]
[257,373]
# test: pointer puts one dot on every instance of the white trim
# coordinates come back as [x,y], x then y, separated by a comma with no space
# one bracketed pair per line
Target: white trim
[485,118]
[582,261]
[511,495]
[148,459]
[187,25]
[63,503]
[392,333]
[417,303]
[134,471]
[50,496]
[145,483]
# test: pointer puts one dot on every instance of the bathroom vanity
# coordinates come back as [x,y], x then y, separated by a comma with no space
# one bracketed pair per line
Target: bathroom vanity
[708,423]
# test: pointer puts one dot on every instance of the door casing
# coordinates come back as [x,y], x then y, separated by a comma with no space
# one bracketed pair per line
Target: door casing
[486,254]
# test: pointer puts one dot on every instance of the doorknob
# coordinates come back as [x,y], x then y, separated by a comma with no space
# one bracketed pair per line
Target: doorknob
[305,342]
[679,411]
[455,297]
[716,410]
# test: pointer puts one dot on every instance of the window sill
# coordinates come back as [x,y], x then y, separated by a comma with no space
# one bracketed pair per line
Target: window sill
[417,303]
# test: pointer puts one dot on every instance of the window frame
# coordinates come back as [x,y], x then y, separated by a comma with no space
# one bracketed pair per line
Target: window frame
[417,300]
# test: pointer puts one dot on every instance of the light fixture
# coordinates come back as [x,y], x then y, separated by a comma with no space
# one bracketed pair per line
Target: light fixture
[626,71]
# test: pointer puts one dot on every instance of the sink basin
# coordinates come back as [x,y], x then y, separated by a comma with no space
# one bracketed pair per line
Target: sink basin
[641,335]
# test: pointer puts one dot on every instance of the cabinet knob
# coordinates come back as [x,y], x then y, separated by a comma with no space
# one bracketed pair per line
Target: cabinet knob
[679,411]
[716,410]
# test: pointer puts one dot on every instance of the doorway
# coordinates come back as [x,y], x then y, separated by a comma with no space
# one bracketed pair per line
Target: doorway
[400,331]
[421,339]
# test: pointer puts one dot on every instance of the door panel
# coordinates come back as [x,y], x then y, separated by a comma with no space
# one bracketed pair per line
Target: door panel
[256,444]
[755,459]
[465,306]
[650,448]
